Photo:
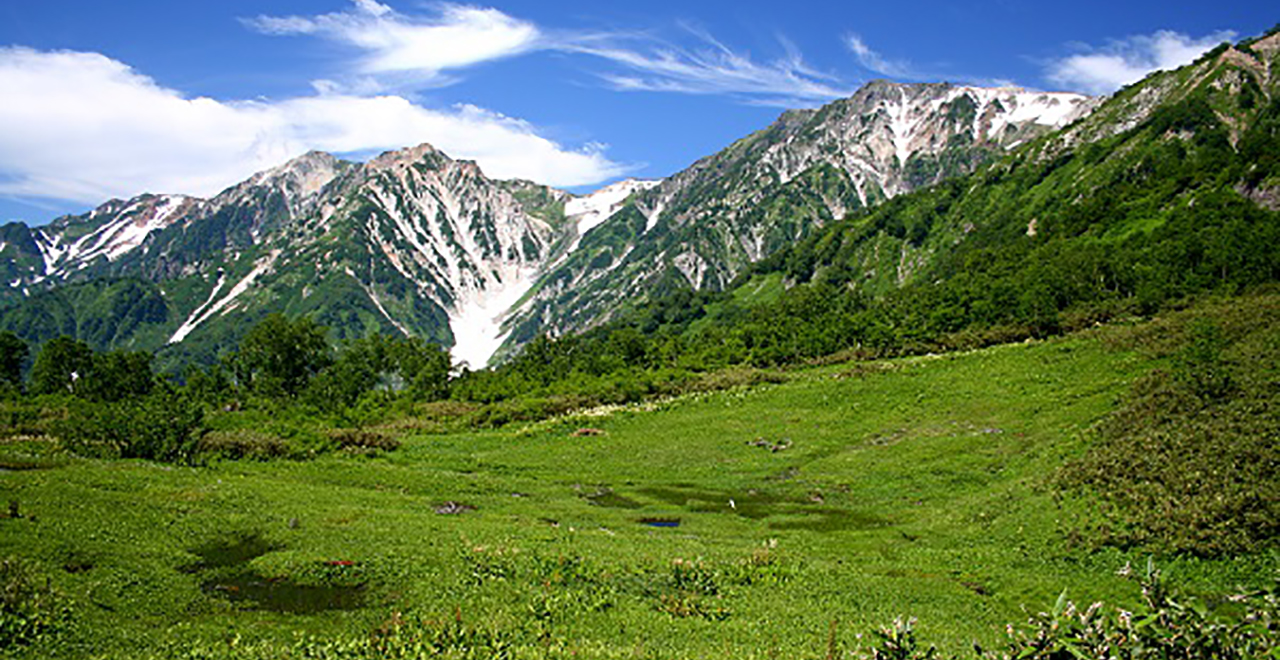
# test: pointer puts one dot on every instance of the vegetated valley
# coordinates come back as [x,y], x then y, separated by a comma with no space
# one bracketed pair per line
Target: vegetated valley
[943,422]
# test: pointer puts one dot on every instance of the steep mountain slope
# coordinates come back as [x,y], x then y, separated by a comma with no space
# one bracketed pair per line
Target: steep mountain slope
[701,227]
[1167,190]
[412,242]
[1166,193]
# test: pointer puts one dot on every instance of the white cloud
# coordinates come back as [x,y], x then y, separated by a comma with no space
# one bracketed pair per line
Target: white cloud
[712,68]
[457,37]
[873,61]
[407,50]
[1104,70]
[81,126]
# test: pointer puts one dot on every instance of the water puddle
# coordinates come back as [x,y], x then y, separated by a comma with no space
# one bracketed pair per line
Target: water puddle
[782,512]
[660,522]
[225,572]
[607,498]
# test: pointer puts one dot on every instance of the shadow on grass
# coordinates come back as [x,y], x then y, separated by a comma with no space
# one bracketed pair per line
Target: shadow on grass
[224,570]
[780,512]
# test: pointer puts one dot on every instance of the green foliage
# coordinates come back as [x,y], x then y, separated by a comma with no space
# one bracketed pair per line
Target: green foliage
[394,365]
[60,366]
[1165,626]
[13,358]
[279,356]
[1190,461]
[898,642]
[242,444]
[104,313]
[30,610]
[117,375]
[907,486]
[1199,367]
[162,426]
[211,386]
[68,366]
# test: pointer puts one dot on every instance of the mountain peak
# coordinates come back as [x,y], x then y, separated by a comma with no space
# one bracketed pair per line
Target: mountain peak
[401,158]
[310,172]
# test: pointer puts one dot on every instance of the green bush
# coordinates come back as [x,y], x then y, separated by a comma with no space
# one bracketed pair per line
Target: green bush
[1191,460]
[364,440]
[1165,626]
[163,426]
[30,610]
[242,444]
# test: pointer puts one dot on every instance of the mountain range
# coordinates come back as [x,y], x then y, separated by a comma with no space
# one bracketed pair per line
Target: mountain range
[414,242]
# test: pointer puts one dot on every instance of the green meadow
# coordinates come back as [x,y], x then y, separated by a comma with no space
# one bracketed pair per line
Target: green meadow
[786,520]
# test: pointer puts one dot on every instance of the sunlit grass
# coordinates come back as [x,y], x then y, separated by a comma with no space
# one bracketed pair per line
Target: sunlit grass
[846,496]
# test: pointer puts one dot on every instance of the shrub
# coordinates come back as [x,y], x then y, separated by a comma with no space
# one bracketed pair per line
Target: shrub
[164,426]
[30,610]
[1164,627]
[1190,462]
[357,440]
[242,444]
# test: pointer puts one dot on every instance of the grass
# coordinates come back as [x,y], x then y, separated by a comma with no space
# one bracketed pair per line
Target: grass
[808,512]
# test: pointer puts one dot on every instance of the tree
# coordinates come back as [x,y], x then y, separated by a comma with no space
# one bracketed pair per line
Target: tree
[425,366]
[60,366]
[279,356]
[208,385]
[164,425]
[118,375]
[394,364]
[13,355]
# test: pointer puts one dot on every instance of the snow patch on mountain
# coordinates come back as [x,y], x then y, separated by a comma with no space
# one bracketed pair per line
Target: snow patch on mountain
[197,315]
[223,305]
[904,118]
[590,211]
[128,233]
[123,232]
[50,251]
[912,117]
[476,321]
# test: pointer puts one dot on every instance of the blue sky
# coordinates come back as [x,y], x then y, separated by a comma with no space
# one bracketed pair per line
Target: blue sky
[106,100]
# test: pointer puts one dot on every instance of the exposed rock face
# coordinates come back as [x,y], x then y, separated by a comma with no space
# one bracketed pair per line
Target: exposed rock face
[412,242]
[417,243]
[708,222]
[590,211]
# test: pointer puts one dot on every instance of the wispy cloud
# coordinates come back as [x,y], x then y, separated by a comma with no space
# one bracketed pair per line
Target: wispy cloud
[422,49]
[425,46]
[81,126]
[874,61]
[710,67]
[1105,69]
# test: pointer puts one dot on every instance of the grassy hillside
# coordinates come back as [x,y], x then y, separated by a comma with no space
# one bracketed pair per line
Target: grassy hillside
[809,512]
[1130,414]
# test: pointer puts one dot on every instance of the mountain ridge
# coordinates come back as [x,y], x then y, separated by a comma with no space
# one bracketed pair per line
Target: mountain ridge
[414,242]
[738,206]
